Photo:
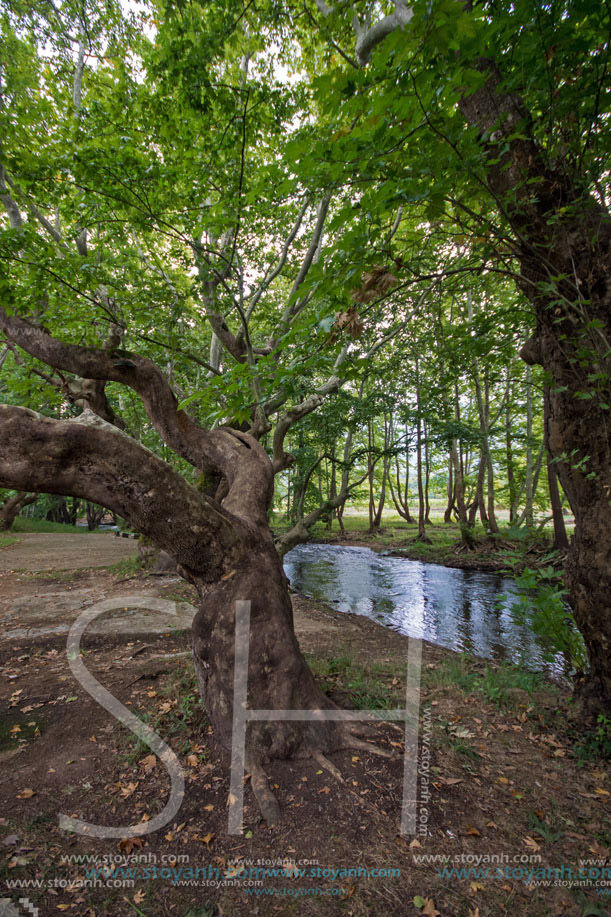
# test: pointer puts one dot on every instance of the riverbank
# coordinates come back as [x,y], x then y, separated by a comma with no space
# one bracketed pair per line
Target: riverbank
[509,552]
[504,772]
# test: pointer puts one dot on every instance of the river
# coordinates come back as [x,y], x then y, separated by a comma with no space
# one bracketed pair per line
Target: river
[455,608]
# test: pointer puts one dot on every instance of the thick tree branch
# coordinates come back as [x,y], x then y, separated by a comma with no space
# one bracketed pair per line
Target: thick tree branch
[236,456]
[91,459]
[14,214]
[367,37]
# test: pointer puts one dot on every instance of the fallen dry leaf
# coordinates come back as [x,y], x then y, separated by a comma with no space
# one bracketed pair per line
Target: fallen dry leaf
[429,908]
[148,764]
[127,844]
[531,843]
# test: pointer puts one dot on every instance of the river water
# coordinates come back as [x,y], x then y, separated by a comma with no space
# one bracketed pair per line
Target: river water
[458,609]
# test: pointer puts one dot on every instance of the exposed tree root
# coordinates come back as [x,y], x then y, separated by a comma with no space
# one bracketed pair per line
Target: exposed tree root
[328,765]
[267,802]
[353,742]
[360,729]
[265,799]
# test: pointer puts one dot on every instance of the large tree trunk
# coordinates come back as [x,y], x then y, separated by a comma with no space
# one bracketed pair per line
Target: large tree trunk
[564,252]
[225,548]
[278,675]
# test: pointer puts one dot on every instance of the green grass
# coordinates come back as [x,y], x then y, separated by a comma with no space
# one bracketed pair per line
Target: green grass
[127,567]
[6,540]
[25,524]
[508,553]
[498,685]
[368,687]
[185,715]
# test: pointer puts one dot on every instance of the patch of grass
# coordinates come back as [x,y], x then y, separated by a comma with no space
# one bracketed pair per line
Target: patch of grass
[6,540]
[537,825]
[595,743]
[185,715]
[57,576]
[25,524]
[16,726]
[368,688]
[497,684]
[128,566]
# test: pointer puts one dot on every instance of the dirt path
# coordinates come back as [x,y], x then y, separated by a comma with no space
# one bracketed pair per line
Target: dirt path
[499,776]
[35,552]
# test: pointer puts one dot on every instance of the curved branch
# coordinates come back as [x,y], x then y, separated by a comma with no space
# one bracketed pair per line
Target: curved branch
[91,459]
[282,459]
[368,37]
[237,457]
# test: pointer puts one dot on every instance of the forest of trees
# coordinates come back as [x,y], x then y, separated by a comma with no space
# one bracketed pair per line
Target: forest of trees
[339,247]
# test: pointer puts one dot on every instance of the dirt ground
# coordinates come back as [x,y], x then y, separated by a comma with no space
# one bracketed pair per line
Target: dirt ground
[34,552]
[501,785]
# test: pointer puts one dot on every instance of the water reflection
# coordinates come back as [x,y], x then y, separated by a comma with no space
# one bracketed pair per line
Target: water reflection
[458,609]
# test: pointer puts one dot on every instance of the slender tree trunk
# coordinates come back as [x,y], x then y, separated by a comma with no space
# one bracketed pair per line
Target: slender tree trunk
[427,476]
[447,516]
[370,477]
[480,503]
[332,484]
[494,528]
[561,541]
[511,485]
[488,518]
[401,497]
[340,519]
[421,536]
[528,487]
[95,515]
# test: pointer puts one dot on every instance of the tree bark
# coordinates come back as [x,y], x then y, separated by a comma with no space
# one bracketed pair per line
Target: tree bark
[421,536]
[11,508]
[227,558]
[509,454]
[561,541]
[563,244]
[447,516]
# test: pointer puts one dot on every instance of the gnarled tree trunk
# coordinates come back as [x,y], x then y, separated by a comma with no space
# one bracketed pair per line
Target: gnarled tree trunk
[218,535]
[564,251]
